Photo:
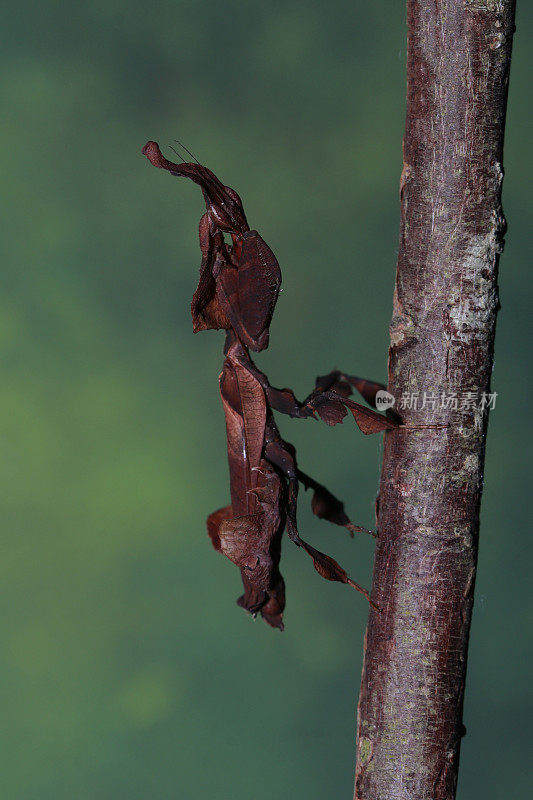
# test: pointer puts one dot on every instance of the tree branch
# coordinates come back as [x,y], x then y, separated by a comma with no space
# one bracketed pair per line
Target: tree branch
[442,338]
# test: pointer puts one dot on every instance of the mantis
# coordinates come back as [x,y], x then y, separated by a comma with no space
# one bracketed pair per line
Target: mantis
[237,292]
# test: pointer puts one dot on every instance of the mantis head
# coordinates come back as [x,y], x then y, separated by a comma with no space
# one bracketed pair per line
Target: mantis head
[223,204]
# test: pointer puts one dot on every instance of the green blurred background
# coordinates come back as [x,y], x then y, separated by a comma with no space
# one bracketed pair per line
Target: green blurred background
[127,669]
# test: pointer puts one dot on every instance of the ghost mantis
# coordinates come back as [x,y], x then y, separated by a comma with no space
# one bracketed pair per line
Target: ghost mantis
[237,292]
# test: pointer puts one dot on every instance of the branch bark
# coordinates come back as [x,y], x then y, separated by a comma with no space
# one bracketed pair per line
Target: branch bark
[442,338]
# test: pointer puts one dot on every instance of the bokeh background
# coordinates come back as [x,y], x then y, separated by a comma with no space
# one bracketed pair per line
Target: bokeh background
[127,669]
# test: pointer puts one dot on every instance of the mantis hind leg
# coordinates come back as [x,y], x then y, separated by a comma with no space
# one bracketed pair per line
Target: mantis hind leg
[282,456]
[325,505]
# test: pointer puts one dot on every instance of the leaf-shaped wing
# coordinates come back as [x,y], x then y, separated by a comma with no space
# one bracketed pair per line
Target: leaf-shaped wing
[245,410]
[259,281]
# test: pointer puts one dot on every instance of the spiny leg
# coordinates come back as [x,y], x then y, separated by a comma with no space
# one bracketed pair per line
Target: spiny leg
[341,382]
[329,400]
[282,456]
[326,506]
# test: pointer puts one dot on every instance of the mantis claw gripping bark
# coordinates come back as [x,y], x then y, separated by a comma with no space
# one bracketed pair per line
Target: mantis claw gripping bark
[237,292]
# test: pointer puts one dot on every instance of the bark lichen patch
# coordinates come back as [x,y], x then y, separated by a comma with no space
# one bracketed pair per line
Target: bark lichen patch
[365,751]
[494,6]
[402,326]
[472,306]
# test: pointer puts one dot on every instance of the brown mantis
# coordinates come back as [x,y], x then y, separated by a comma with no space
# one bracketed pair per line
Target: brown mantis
[237,292]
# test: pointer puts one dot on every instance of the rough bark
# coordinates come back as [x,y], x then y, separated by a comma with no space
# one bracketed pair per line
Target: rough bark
[442,338]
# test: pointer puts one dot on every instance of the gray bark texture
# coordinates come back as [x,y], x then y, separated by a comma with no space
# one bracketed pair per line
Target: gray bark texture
[442,338]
